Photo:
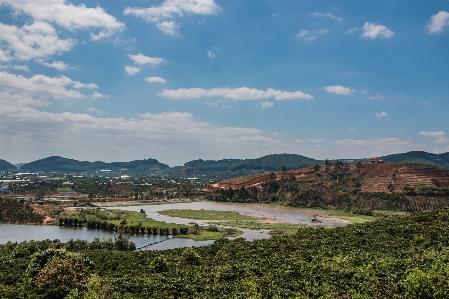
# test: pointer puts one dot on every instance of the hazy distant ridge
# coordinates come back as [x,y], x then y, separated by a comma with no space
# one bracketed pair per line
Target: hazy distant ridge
[60,164]
[6,166]
[265,163]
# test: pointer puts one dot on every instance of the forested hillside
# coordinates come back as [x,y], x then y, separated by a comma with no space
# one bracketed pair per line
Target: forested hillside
[60,164]
[400,257]
[419,157]
[6,166]
[266,163]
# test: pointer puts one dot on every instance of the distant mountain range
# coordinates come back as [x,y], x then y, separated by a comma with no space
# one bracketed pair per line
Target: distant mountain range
[6,166]
[60,164]
[209,167]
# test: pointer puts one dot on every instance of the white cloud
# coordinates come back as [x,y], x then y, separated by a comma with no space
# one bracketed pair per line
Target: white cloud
[302,33]
[381,114]
[40,86]
[358,148]
[59,65]
[438,23]
[141,59]
[169,27]
[243,93]
[89,109]
[376,97]
[267,104]
[326,15]
[155,80]
[66,14]
[102,34]
[338,89]
[298,141]
[164,14]
[4,55]
[352,30]
[78,84]
[440,136]
[373,31]
[21,68]
[210,54]
[32,41]
[307,35]
[95,95]
[131,70]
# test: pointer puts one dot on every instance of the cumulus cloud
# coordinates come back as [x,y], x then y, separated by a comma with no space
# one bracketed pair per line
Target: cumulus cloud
[308,35]
[373,31]
[438,23]
[267,104]
[155,80]
[37,40]
[243,93]
[163,15]
[21,68]
[131,70]
[375,147]
[376,97]
[440,136]
[381,114]
[59,65]
[141,59]
[40,86]
[90,109]
[96,95]
[78,84]
[173,136]
[326,15]
[67,15]
[338,89]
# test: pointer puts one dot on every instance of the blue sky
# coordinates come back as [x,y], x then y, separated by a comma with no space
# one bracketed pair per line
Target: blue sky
[178,80]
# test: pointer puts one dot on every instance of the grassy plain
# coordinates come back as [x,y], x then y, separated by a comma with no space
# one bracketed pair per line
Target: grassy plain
[206,215]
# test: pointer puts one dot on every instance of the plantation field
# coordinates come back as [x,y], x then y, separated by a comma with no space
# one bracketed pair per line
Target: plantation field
[393,257]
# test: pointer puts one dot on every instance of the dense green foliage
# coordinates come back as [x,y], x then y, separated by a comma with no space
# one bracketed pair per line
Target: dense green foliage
[14,211]
[396,257]
[266,163]
[121,221]
[6,166]
[60,164]
[419,157]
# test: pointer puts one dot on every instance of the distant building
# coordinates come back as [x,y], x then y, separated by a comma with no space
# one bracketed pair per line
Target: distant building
[374,160]
[5,190]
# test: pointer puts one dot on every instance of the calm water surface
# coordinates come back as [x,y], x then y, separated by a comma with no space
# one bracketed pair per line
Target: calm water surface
[19,233]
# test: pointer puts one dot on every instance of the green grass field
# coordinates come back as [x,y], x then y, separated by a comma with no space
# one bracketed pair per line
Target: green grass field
[206,215]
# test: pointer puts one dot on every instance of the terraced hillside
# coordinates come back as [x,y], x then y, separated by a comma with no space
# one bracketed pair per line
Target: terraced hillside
[356,187]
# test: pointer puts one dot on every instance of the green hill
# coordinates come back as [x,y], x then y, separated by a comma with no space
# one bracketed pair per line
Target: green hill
[6,166]
[419,157]
[266,163]
[60,164]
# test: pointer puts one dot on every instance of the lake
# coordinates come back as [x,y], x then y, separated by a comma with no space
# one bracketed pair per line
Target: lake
[19,233]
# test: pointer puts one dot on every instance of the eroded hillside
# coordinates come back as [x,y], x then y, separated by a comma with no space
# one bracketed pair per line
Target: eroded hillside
[356,187]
